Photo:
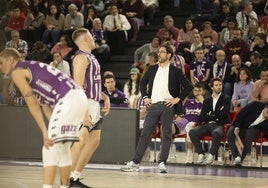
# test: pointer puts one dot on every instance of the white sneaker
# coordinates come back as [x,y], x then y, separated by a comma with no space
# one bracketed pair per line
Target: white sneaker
[201,159]
[130,167]
[220,161]
[162,167]
[189,157]
[147,155]
[210,159]
[237,161]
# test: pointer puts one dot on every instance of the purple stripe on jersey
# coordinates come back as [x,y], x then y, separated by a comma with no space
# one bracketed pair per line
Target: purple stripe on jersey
[49,84]
[92,84]
[140,102]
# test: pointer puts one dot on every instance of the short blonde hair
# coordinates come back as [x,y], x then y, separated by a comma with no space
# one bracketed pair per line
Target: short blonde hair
[79,32]
[10,52]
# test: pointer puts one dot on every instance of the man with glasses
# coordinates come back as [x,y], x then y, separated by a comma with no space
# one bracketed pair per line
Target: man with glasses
[17,43]
[167,88]
[249,122]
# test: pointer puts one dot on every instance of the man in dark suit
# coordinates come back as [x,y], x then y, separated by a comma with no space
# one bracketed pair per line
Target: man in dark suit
[214,113]
[249,122]
[167,88]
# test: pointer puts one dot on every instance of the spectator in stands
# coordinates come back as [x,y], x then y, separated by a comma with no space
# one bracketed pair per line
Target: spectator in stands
[221,69]
[117,97]
[168,25]
[188,53]
[186,122]
[116,25]
[141,54]
[102,50]
[243,88]
[177,60]
[236,64]
[168,37]
[210,48]
[252,31]
[40,53]
[237,46]
[245,17]
[132,87]
[33,26]
[73,20]
[226,33]
[209,31]
[227,12]
[260,88]
[118,84]
[64,46]
[186,35]
[200,67]
[99,5]
[60,64]
[152,60]
[134,11]
[214,116]
[16,20]
[149,11]
[54,23]
[17,43]
[89,15]
[264,21]
[259,44]
[258,63]
[249,122]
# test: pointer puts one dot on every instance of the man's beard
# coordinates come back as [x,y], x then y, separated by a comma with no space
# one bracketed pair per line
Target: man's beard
[162,60]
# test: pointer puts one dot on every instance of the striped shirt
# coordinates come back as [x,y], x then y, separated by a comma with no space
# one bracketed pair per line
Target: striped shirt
[92,83]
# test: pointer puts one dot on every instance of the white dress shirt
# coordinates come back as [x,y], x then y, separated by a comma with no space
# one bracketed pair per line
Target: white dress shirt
[160,90]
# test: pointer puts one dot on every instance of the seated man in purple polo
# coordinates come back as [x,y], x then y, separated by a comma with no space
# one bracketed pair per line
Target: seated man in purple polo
[117,97]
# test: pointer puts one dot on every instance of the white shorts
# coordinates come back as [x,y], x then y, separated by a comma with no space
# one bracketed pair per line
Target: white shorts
[94,110]
[57,155]
[67,117]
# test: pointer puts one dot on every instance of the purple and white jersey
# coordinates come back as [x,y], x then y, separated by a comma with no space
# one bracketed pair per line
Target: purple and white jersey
[192,109]
[140,102]
[48,83]
[92,84]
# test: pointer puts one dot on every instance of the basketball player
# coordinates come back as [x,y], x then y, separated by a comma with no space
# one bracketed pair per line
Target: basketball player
[86,72]
[63,103]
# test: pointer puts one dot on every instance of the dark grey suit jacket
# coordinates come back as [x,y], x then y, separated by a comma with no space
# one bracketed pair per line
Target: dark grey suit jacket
[249,114]
[178,84]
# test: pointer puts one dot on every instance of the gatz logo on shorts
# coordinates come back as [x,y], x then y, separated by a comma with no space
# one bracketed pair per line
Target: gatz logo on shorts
[68,128]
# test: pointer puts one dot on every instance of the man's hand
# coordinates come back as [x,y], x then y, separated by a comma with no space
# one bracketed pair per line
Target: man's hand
[236,131]
[107,105]
[47,142]
[171,102]
[147,102]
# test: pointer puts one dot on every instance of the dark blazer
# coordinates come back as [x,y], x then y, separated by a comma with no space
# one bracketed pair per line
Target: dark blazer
[249,114]
[178,84]
[221,114]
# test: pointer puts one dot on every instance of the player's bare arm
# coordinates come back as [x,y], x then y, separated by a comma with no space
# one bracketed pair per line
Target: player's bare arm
[47,111]
[106,108]
[80,64]
[20,78]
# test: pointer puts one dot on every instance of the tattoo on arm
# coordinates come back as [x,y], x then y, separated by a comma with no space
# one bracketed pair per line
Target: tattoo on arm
[30,93]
